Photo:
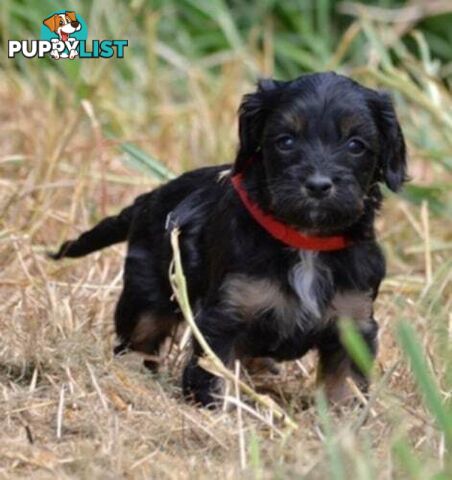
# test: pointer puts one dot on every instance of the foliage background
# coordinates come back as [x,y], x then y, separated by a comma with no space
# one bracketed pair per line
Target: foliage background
[81,138]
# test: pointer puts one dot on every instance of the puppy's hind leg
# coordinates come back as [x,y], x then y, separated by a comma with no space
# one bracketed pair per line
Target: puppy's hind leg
[142,329]
[145,315]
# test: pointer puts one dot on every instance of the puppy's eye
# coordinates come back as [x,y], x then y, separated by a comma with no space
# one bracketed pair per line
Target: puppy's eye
[285,142]
[61,22]
[355,146]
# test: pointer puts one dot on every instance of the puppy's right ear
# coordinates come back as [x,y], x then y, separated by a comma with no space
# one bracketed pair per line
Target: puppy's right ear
[72,16]
[51,23]
[252,113]
[393,164]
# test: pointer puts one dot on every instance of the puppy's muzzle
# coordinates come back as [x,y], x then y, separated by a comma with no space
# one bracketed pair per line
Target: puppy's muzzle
[318,186]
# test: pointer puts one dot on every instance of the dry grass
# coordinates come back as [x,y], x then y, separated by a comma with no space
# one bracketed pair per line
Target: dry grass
[70,410]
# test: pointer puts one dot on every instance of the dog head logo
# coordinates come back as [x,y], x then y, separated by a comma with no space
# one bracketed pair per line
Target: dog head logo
[67,28]
[63,24]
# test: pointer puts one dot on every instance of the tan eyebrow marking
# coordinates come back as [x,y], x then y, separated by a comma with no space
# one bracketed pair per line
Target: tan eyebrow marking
[347,123]
[293,121]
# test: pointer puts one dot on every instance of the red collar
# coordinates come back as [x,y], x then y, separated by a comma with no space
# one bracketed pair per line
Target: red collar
[283,232]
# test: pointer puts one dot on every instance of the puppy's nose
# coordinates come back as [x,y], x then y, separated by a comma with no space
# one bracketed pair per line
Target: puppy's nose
[318,186]
[75,24]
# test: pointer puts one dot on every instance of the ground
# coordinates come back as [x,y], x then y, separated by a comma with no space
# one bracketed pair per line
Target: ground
[69,409]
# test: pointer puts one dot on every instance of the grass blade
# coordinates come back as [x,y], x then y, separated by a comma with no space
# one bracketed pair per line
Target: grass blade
[424,380]
[332,447]
[147,164]
[355,345]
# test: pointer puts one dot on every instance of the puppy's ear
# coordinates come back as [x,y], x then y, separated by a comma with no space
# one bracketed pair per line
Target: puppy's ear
[51,23]
[72,16]
[392,144]
[252,113]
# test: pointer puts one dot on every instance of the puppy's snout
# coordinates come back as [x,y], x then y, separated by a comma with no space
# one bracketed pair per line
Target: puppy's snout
[319,186]
[75,24]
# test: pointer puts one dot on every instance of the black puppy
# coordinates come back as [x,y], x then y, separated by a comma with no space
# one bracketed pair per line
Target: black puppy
[275,249]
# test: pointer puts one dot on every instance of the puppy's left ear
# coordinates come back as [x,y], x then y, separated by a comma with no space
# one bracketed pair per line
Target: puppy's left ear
[392,144]
[252,113]
[51,23]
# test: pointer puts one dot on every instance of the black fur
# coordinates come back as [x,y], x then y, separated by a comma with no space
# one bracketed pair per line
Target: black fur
[312,151]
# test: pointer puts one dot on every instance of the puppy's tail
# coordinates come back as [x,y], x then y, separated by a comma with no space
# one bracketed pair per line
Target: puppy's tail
[107,232]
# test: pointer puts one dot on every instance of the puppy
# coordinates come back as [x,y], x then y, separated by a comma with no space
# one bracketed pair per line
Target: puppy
[275,247]
[63,24]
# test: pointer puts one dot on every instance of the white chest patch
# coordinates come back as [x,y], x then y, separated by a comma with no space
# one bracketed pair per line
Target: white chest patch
[302,278]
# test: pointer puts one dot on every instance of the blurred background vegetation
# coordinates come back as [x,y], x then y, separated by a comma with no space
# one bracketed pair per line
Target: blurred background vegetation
[185,56]
[109,129]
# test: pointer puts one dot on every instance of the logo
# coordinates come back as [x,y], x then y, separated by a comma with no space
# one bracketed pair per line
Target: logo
[64,36]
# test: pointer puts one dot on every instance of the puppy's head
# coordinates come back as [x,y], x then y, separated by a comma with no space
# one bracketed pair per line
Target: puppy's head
[324,141]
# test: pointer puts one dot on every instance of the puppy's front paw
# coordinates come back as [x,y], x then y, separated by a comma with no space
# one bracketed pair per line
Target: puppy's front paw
[200,386]
[73,54]
[346,390]
[54,54]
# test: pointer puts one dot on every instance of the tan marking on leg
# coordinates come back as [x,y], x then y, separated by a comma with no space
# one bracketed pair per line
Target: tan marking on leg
[149,329]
